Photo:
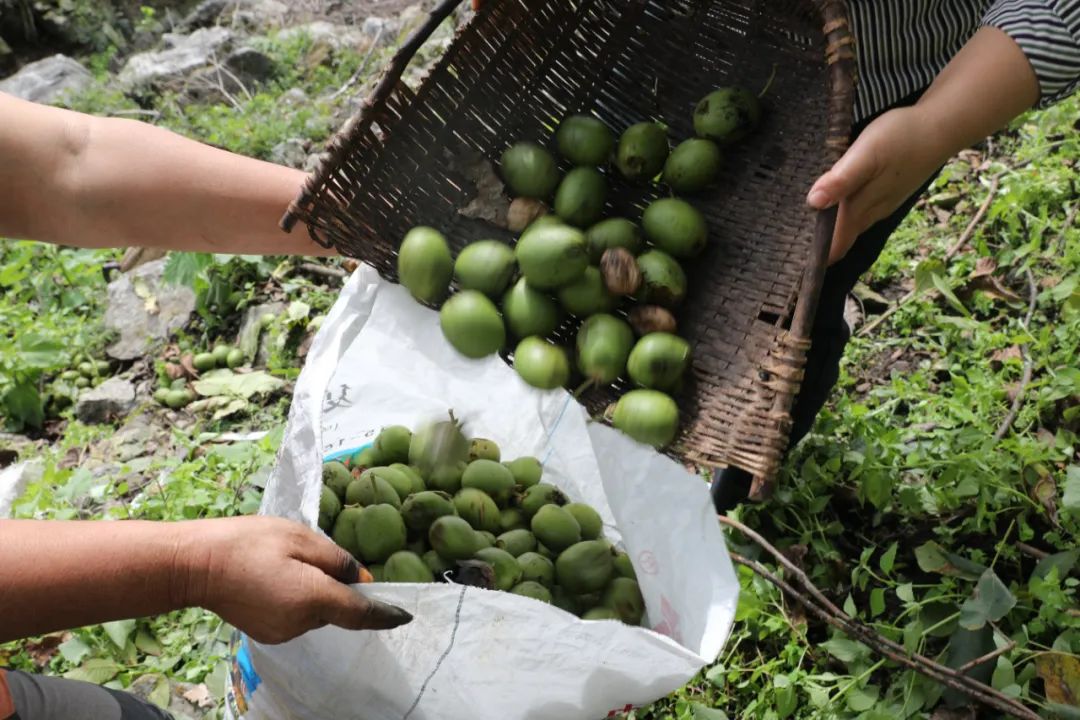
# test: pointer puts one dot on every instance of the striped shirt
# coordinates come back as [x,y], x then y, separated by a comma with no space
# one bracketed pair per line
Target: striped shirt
[902,45]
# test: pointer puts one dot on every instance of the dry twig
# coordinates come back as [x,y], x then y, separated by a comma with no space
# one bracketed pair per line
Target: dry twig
[827,611]
[965,237]
[1029,363]
[324,270]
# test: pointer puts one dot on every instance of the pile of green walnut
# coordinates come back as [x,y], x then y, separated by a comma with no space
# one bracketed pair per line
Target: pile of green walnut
[176,393]
[473,520]
[620,279]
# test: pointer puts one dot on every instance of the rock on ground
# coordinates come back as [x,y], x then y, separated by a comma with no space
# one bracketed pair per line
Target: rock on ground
[291,152]
[145,311]
[46,80]
[251,331]
[111,399]
[182,54]
[328,34]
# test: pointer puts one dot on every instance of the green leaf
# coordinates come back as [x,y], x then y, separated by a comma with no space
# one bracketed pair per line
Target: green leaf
[925,272]
[942,286]
[905,592]
[1070,494]
[989,602]
[704,712]
[887,560]
[227,383]
[41,353]
[1004,674]
[147,643]
[877,486]
[161,694]
[298,310]
[931,557]
[182,268]
[877,601]
[74,650]
[119,631]
[23,403]
[95,670]
[862,699]
[846,651]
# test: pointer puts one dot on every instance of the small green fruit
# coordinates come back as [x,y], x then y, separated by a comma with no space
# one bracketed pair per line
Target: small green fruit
[727,115]
[599,613]
[447,478]
[623,566]
[176,399]
[477,508]
[204,362]
[537,568]
[624,597]
[586,567]
[663,279]
[584,140]
[483,449]
[555,527]
[406,567]
[551,257]
[589,520]
[512,519]
[336,477]
[235,358]
[529,170]
[516,542]
[484,539]
[527,471]
[221,355]
[692,166]
[422,509]
[676,227]
[534,590]
[648,416]
[452,538]
[365,459]
[344,530]
[392,444]
[491,477]
[416,481]
[539,495]
[581,196]
[380,533]
[472,324]
[643,149]
[425,265]
[659,360]
[486,266]
[437,564]
[541,364]
[329,507]
[529,312]
[507,570]
[587,295]
[402,483]
[161,395]
[603,345]
[610,233]
[369,489]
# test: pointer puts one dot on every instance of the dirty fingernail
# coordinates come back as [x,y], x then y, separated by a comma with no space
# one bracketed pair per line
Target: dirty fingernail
[390,616]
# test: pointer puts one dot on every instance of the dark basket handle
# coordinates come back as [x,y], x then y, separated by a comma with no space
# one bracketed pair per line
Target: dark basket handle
[391,77]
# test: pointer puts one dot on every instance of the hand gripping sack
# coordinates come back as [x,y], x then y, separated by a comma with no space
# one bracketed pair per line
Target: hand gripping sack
[471,654]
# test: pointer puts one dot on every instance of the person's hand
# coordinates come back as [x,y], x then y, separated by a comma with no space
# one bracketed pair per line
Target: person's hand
[889,161]
[275,579]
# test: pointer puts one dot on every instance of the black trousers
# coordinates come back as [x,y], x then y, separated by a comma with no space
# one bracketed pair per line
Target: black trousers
[830,333]
[33,697]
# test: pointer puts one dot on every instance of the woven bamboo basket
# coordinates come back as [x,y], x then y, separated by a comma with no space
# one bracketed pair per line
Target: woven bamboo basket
[519,66]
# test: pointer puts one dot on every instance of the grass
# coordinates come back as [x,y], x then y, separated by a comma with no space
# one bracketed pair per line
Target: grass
[907,445]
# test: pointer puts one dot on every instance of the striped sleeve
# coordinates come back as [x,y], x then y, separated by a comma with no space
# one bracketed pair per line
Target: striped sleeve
[1048,31]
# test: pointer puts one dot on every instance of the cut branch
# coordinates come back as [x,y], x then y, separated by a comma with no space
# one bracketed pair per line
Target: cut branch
[815,601]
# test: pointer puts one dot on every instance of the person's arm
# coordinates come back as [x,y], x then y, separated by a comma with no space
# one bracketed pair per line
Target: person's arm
[987,84]
[76,179]
[271,578]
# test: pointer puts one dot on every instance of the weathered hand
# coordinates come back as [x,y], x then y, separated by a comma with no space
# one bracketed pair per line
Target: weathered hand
[275,579]
[882,168]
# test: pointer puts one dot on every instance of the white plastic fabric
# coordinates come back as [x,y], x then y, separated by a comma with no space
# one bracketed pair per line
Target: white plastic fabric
[471,654]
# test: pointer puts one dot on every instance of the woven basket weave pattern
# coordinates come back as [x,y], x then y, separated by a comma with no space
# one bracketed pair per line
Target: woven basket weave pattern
[522,65]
